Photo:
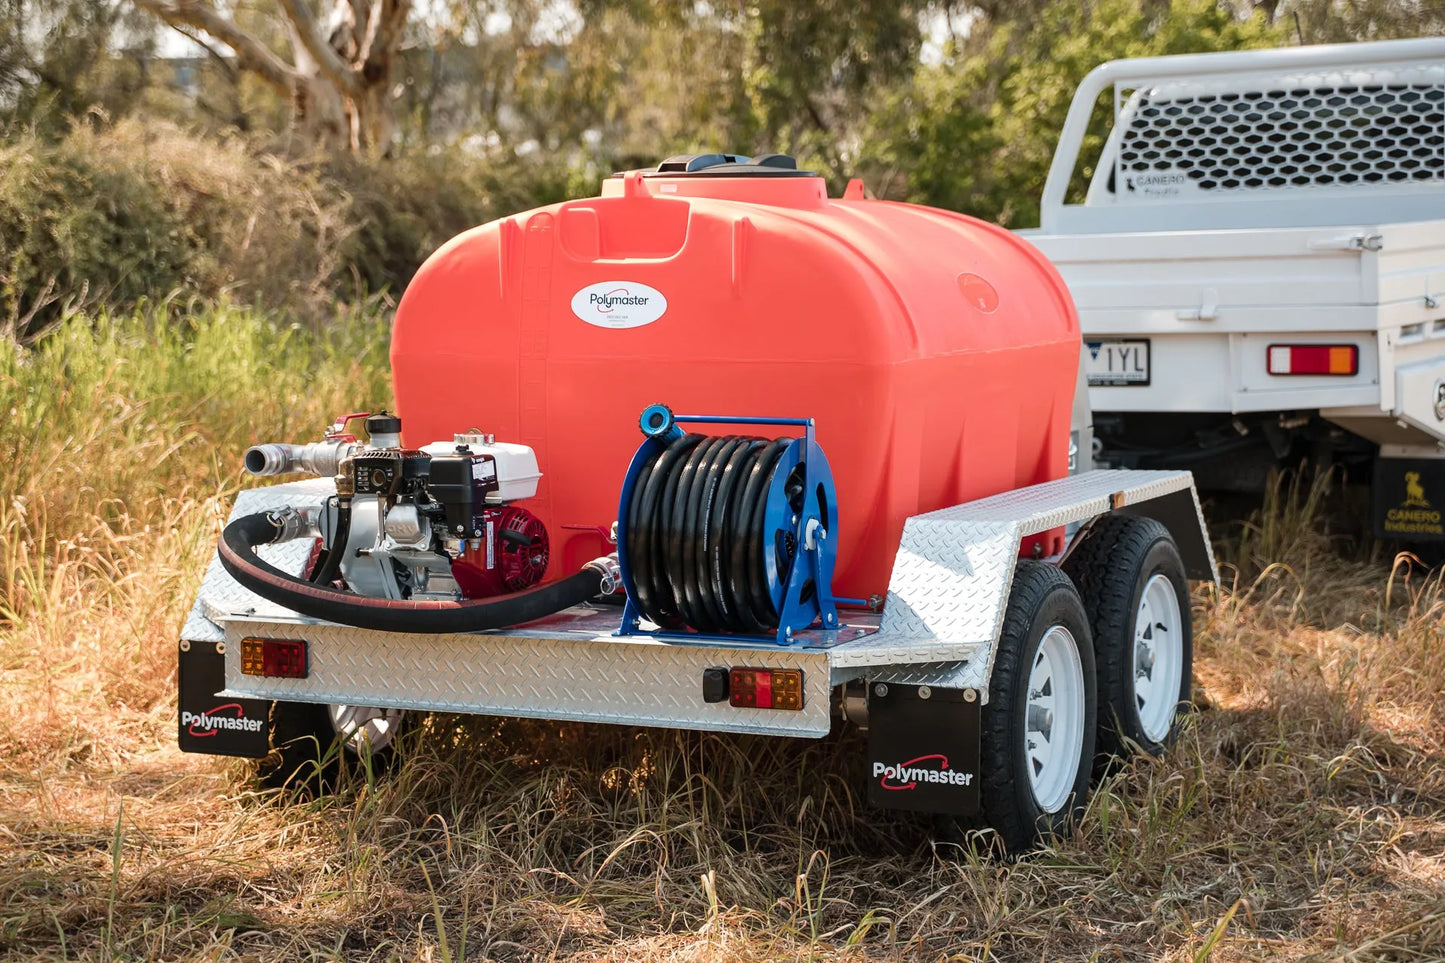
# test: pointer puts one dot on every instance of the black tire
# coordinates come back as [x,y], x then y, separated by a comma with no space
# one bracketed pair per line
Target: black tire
[1040,598]
[1117,559]
[308,754]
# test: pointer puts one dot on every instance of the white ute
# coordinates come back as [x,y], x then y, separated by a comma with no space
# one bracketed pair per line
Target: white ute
[1259,265]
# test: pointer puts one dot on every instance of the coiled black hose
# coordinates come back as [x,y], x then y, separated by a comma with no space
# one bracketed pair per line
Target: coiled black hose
[238,556]
[694,533]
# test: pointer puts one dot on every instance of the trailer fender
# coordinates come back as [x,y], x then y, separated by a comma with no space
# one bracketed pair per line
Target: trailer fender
[951,578]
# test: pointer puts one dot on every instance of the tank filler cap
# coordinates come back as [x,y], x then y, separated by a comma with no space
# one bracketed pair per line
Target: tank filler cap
[727,165]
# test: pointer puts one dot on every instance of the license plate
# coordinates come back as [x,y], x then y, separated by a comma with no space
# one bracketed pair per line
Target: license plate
[1117,362]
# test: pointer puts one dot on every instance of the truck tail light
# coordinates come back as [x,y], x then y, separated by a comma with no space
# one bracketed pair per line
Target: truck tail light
[281,658]
[1314,359]
[765,688]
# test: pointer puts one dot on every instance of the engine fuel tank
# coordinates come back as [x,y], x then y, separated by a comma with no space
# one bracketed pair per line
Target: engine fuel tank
[937,353]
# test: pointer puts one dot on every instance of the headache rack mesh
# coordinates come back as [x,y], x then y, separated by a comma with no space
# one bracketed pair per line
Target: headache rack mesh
[1329,129]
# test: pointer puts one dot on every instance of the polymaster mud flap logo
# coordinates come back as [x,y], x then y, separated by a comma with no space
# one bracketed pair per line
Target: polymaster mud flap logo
[931,769]
[1403,505]
[619,304]
[230,717]
[214,724]
[923,748]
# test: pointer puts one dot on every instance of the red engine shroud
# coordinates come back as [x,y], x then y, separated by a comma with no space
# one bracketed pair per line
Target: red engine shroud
[512,558]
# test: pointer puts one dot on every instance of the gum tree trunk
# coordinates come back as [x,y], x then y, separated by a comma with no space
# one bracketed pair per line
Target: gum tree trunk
[338,74]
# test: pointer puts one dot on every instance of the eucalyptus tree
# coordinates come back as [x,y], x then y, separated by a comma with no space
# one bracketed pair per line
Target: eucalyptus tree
[335,62]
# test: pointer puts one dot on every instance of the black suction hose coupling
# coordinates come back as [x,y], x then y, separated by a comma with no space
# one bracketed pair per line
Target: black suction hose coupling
[238,556]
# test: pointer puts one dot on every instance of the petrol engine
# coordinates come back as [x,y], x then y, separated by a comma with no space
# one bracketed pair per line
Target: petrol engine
[432,523]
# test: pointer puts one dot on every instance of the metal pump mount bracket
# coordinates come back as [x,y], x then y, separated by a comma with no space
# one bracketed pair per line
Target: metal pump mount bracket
[938,627]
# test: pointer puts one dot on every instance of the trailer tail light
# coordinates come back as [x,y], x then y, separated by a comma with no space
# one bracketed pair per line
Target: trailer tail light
[282,658]
[765,688]
[1314,359]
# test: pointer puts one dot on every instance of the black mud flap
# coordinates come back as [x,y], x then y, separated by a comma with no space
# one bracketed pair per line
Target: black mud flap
[923,748]
[1409,495]
[211,724]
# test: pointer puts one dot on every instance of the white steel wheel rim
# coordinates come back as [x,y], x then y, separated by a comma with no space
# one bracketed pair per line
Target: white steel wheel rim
[1158,662]
[368,728]
[1054,740]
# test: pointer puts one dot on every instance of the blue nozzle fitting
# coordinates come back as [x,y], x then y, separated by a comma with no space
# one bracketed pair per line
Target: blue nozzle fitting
[657,422]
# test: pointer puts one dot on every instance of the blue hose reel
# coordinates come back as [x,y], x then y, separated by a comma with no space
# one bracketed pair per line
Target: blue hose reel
[727,535]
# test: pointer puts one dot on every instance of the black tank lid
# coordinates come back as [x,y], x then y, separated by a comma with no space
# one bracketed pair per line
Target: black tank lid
[383,423]
[727,165]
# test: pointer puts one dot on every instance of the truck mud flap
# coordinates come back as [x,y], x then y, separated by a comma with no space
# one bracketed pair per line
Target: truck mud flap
[923,748]
[211,724]
[1409,499]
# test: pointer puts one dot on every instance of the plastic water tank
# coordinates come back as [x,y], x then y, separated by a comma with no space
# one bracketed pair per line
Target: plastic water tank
[937,353]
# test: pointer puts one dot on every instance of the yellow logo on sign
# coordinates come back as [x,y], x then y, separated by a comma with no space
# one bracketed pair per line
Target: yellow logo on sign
[1415,516]
[1414,491]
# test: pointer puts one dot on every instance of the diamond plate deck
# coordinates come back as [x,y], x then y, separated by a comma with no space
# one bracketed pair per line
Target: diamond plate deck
[551,673]
[221,596]
[939,624]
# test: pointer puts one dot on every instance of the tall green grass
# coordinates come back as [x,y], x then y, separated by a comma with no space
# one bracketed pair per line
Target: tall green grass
[120,447]
[113,416]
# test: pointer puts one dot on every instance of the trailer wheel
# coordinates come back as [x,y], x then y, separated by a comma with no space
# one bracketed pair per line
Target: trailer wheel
[311,743]
[1037,735]
[1132,581]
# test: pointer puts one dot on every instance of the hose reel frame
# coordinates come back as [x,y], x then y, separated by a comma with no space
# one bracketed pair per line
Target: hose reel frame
[812,529]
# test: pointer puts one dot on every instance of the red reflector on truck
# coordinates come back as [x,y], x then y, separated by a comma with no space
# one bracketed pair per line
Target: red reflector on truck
[282,658]
[1314,359]
[766,688]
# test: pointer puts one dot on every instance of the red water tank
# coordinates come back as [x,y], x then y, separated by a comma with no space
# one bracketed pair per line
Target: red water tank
[937,353]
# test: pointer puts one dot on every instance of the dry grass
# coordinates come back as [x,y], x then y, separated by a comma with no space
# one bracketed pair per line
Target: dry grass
[1303,814]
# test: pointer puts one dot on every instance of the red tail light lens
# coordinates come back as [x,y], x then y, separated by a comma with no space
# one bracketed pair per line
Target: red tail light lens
[1314,359]
[281,658]
[765,688]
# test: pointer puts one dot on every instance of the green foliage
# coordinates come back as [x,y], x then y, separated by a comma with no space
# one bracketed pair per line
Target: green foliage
[75,228]
[811,68]
[403,209]
[977,132]
[119,183]
[67,59]
[258,225]
[129,409]
[146,210]
[1321,21]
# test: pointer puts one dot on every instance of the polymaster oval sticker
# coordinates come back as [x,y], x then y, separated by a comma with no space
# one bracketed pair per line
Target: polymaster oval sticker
[619,304]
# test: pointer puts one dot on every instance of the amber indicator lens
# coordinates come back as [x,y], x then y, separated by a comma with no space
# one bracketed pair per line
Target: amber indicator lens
[281,658]
[765,688]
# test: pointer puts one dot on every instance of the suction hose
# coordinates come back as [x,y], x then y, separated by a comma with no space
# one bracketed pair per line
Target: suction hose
[238,556]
